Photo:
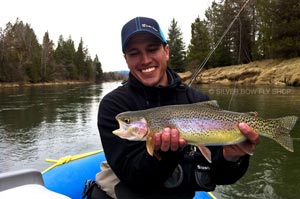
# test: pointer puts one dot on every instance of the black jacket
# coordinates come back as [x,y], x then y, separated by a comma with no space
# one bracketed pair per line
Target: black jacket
[138,171]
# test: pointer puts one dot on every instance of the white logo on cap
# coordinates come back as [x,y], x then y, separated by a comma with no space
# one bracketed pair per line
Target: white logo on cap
[149,26]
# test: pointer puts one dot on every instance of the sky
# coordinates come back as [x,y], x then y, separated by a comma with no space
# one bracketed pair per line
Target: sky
[99,22]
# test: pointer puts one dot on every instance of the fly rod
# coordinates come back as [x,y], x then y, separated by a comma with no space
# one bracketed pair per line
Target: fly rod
[196,73]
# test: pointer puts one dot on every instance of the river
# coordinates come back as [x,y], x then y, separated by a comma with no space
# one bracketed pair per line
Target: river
[43,122]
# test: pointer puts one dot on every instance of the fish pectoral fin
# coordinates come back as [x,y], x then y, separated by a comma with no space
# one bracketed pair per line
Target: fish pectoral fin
[243,148]
[149,145]
[205,152]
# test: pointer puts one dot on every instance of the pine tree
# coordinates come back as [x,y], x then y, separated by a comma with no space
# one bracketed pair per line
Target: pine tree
[64,56]
[199,45]
[218,21]
[264,27]
[240,34]
[286,28]
[90,69]
[47,59]
[79,61]
[177,48]
[278,29]
[2,57]
[98,69]
[21,53]
[23,59]
[58,53]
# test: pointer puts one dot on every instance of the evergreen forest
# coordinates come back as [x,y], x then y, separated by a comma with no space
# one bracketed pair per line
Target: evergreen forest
[266,29]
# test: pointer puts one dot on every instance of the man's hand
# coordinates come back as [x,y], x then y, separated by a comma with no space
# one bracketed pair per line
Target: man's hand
[168,139]
[234,152]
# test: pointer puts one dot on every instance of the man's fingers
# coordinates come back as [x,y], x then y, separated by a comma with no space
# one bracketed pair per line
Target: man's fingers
[165,139]
[232,152]
[249,133]
[157,141]
[168,139]
[174,140]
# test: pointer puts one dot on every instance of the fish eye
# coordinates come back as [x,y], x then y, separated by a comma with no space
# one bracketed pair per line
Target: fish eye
[127,121]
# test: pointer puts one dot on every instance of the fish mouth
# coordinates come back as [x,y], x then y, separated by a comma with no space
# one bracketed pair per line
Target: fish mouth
[121,131]
[118,132]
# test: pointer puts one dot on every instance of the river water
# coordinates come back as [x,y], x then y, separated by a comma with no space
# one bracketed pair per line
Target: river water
[43,122]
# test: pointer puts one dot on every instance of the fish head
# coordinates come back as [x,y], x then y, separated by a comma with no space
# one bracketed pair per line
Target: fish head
[131,127]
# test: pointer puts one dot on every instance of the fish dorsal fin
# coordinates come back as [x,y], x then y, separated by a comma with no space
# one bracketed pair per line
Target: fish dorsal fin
[213,104]
[253,113]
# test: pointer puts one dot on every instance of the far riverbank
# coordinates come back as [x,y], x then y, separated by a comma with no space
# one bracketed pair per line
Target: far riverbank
[17,84]
[267,72]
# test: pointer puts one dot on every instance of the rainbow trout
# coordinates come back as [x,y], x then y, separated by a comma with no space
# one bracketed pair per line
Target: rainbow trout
[201,124]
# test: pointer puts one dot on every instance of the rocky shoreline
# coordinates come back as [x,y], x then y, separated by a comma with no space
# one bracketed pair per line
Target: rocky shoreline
[267,72]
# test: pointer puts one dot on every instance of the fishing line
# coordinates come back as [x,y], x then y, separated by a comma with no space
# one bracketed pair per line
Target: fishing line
[196,73]
[231,98]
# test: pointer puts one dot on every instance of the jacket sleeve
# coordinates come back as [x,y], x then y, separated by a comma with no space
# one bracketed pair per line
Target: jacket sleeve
[226,172]
[129,159]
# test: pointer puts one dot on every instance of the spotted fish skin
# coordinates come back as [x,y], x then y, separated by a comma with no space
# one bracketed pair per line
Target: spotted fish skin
[202,124]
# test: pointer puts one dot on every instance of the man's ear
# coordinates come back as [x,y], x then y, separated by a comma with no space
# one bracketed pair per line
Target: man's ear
[167,51]
[124,55]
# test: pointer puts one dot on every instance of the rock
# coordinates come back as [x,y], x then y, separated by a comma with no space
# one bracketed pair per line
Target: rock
[184,76]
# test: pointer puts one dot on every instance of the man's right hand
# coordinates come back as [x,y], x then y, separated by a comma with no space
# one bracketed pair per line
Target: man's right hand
[167,140]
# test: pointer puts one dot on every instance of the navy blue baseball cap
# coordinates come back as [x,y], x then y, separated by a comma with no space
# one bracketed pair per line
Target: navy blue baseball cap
[138,25]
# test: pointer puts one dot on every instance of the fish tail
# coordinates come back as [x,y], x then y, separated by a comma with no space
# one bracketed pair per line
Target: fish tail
[282,132]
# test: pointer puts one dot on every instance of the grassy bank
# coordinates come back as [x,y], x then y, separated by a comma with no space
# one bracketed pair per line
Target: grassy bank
[267,72]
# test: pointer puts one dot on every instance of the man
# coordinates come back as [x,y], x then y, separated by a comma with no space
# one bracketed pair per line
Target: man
[176,170]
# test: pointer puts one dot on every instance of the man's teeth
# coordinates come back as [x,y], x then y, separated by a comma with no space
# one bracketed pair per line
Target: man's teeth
[147,70]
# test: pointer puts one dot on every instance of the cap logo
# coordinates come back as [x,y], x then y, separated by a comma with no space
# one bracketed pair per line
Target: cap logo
[149,26]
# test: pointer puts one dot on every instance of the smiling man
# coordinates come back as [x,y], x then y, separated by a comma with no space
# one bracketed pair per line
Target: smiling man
[146,51]
[176,170]
[146,57]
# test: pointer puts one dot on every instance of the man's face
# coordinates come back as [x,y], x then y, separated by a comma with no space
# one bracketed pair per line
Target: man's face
[147,59]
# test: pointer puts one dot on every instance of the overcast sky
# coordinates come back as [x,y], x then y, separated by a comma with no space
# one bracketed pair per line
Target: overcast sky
[99,22]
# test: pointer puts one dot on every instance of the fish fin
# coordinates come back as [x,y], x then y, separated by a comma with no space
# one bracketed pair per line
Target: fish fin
[241,145]
[282,132]
[253,113]
[149,145]
[205,152]
[209,104]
